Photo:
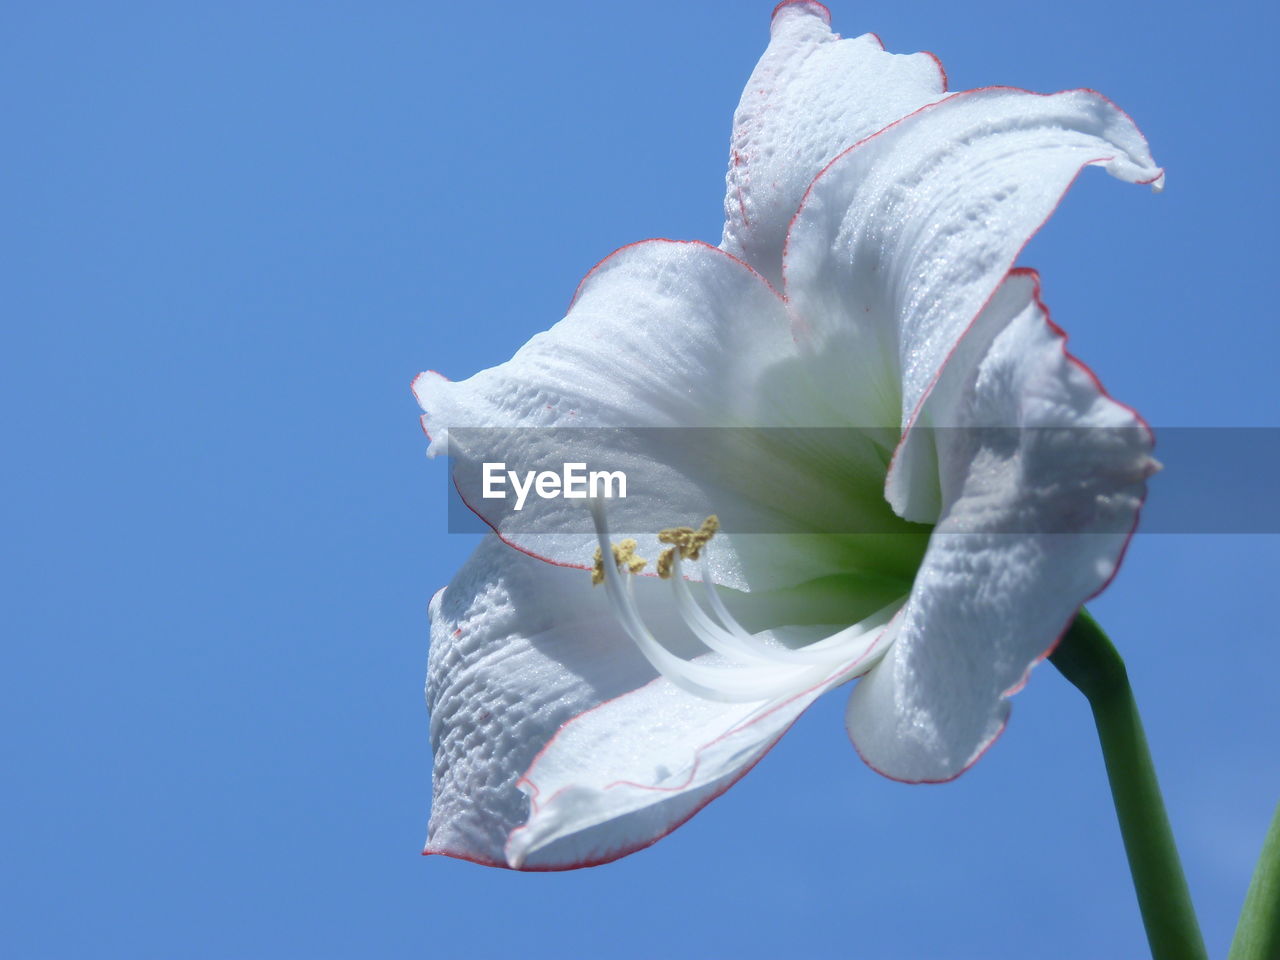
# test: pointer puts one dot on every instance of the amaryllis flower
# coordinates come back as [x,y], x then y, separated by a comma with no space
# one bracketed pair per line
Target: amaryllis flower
[865,281]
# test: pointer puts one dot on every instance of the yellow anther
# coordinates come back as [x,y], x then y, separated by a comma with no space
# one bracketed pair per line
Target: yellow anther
[680,536]
[688,540]
[624,555]
[685,539]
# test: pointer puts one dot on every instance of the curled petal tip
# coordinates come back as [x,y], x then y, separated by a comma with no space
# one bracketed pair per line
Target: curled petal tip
[521,842]
[1157,185]
[807,6]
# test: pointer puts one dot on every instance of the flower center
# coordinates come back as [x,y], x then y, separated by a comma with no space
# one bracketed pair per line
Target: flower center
[742,666]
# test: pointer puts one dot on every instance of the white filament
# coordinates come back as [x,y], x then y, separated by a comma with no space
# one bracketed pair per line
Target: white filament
[755,669]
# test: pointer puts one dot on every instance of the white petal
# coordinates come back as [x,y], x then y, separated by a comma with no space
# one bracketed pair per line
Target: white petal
[811,95]
[660,333]
[517,648]
[622,776]
[902,240]
[988,604]
[668,335]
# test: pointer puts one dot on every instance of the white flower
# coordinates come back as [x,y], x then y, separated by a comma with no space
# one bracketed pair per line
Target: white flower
[865,280]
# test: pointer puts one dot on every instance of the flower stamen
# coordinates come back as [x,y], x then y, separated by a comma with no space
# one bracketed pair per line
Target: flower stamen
[749,667]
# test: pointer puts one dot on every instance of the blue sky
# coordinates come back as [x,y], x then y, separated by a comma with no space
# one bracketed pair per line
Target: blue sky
[233,233]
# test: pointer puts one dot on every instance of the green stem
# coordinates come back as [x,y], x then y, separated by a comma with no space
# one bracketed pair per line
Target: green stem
[1258,935]
[1087,658]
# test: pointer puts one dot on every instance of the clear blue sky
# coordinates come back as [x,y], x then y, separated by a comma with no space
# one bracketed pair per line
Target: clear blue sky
[234,231]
